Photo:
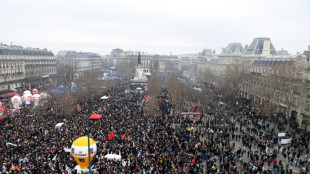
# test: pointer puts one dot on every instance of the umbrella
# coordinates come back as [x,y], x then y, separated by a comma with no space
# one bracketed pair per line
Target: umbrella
[95,116]
[139,88]
[58,125]
[148,97]
[104,97]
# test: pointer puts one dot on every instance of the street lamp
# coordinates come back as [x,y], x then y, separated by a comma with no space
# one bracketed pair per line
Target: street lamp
[92,117]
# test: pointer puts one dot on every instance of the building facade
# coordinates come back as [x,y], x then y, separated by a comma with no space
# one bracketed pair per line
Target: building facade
[80,62]
[280,80]
[26,68]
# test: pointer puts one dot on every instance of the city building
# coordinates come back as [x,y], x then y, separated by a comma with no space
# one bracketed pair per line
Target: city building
[80,62]
[125,62]
[307,53]
[290,95]
[257,65]
[261,46]
[26,68]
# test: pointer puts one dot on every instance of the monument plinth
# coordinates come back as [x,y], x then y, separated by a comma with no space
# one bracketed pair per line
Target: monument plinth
[141,73]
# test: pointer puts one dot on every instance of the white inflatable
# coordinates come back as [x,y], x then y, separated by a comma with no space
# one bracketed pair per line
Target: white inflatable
[36,99]
[35,91]
[26,92]
[27,97]
[16,101]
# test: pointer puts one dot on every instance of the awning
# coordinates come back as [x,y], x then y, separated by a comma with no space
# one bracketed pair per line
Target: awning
[8,95]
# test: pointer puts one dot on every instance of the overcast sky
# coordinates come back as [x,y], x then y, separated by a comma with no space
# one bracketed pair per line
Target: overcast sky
[154,26]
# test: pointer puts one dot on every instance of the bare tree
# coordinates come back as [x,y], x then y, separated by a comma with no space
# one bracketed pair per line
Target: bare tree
[231,81]
[154,91]
[179,92]
[281,88]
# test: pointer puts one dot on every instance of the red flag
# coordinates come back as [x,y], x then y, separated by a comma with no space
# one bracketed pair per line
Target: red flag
[111,136]
[104,139]
[166,120]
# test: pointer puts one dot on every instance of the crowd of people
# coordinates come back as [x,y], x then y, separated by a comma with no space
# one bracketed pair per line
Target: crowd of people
[226,139]
[239,140]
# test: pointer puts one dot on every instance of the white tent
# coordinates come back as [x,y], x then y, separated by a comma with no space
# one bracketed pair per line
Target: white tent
[104,97]
[58,125]
[139,88]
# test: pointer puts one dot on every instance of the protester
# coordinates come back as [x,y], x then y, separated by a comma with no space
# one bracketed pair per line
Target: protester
[151,144]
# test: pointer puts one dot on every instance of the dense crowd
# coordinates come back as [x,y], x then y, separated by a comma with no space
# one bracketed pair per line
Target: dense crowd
[226,139]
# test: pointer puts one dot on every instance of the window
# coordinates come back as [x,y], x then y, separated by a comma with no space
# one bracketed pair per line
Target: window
[295,103]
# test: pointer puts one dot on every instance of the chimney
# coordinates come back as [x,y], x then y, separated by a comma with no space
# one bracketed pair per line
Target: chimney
[266,47]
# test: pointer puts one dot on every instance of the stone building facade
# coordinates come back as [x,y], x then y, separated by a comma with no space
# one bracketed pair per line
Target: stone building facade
[80,62]
[258,63]
[26,68]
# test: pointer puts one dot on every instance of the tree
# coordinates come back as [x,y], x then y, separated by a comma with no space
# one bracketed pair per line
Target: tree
[154,91]
[230,83]
[282,87]
[88,86]
[179,92]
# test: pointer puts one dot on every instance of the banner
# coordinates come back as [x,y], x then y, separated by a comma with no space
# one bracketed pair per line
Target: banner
[285,141]
[281,134]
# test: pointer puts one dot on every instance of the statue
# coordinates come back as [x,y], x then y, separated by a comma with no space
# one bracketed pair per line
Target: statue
[139,59]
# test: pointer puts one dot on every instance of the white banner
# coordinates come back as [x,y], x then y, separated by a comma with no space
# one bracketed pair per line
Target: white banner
[11,144]
[281,134]
[285,141]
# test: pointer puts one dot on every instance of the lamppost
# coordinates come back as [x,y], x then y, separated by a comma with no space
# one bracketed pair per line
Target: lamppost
[89,161]
[93,117]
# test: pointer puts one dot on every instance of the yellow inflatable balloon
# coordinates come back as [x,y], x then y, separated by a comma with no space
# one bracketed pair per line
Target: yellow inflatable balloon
[79,151]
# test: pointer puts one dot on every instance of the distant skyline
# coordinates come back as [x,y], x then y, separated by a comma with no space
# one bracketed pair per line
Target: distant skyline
[153,26]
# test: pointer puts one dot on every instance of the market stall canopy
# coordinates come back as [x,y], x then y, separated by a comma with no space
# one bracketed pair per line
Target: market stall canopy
[58,125]
[104,97]
[95,116]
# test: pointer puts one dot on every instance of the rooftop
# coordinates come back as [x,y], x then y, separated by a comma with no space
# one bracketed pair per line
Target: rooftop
[234,48]
[257,46]
[19,50]
[273,62]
